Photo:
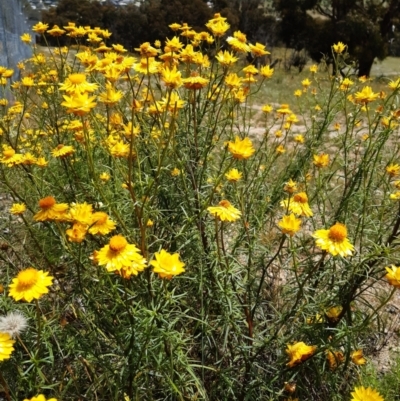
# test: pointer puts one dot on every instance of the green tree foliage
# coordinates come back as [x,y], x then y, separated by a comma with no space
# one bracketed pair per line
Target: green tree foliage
[364,25]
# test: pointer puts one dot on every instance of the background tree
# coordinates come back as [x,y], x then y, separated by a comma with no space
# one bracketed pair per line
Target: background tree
[366,26]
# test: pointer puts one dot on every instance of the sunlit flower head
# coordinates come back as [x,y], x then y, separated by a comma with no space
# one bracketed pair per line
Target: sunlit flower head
[321,160]
[14,323]
[51,210]
[290,186]
[357,357]
[77,83]
[63,151]
[258,50]
[171,77]
[40,397]
[298,205]
[101,224]
[393,275]
[241,149]
[167,265]
[393,170]
[266,71]
[6,346]
[40,27]
[335,358]
[365,394]
[77,232]
[234,175]
[30,284]
[17,208]
[366,95]
[339,47]
[299,352]
[226,58]
[334,240]
[119,254]
[225,211]
[289,224]
[79,103]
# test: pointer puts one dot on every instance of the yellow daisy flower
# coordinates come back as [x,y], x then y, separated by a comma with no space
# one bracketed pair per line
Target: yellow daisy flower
[299,352]
[18,208]
[51,210]
[40,397]
[101,224]
[241,149]
[335,358]
[357,357]
[30,284]
[167,265]
[321,160]
[393,275]
[365,394]
[119,254]
[289,224]
[339,47]
[298,205]
[77,232]
[334,240]
[225,211]
[6,346]
[233,175]
[77,83]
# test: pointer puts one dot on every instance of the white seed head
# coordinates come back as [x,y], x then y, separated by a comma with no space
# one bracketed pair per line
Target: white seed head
[14,323]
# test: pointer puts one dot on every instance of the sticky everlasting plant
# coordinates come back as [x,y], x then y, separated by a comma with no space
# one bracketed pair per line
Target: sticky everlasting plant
[179,253]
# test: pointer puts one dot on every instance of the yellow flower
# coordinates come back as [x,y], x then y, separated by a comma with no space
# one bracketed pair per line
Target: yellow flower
[298,92]
[339,47]
[333,313]
[366,95]
[171,77]
[175,172]
[225,211]
[394,84]
[280,149]
[18,208]
[56,31]
[77,232]
[26,38]
[50,210]
[79,103]
[62,151]
[195,82]
[233,175]
[226,58]
[111,96]
[258,50]
[77,83]
[30,284]
[266,71]
[393,275]
[6,346]
[345,85]
[299,138]
[101,224]
[167,265]
[299,352]
[335,358]
[314,68]
[233,81]
[290,224]
[393,170]
[334,240]
[40,27]
[40,397]
[321,160]
[365,394]
[290,186]
[298,205]
[119,254]
[267,108]
[81,213]
[306,82]
[241,149]
[358,358]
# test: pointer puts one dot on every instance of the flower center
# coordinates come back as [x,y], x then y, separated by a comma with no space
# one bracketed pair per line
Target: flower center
[225,203]
[77,79]
[338,232]
[47,202]
[301,197]
[27,278]
[118,243]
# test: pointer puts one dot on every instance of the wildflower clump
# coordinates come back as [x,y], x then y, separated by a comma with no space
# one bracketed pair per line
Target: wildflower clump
[123,168]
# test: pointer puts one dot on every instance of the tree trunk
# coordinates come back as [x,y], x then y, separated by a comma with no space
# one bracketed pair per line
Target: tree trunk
[365,65]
